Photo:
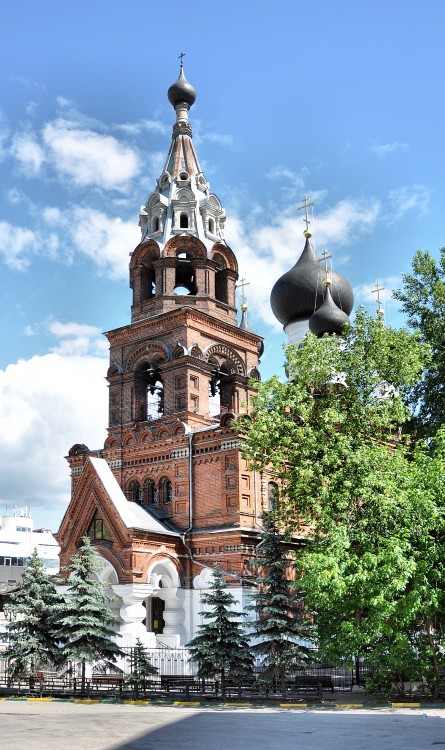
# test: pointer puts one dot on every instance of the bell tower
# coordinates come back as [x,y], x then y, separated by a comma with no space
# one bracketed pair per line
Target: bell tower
[170,495]
[184,357]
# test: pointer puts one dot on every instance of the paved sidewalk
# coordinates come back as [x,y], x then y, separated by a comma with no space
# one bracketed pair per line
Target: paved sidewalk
[51,725]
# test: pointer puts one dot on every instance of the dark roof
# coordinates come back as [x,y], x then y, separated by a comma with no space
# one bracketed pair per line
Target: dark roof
[299,292]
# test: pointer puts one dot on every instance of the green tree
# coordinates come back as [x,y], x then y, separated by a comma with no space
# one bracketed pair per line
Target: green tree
[220,648]
[142,668]
[33,639]
[333,435]
[282,624]
[85,618]
[331,432]
[423,604]
[423,302]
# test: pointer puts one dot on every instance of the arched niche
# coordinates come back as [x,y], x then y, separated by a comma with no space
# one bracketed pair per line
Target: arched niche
[167,600]
[143,272]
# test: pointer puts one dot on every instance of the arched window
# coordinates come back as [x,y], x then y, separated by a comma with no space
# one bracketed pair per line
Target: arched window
[134,492]
[155,400]
[272,495]
[156,224]
[221,287]
[97,529]
[165,491]
[185,281]
[150,493]
[184,221]
[211,226]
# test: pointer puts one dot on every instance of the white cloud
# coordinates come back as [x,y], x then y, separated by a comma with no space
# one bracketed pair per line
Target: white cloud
[409,198]
[28,153]
[219,138]
[284,173]
[363,293]
[389,148]
[3,139]
[89,158]
[16,245]
[43,403]
[136,128]
[77,339]
[14,196]
[106,241]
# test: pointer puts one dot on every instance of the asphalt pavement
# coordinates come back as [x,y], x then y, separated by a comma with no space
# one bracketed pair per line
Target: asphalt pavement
[29,725]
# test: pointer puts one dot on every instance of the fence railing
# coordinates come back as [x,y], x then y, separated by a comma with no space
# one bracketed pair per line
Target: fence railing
[174,663]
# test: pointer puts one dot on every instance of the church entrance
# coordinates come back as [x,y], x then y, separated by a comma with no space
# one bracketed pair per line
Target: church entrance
[155,615]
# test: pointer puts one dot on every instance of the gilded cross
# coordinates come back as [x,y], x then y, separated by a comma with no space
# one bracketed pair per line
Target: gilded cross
[377,291]
[325,259]
[306,205]
[243,283]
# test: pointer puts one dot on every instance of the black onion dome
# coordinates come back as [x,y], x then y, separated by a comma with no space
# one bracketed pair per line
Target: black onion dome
[299,292]
[328,318]
[181,91]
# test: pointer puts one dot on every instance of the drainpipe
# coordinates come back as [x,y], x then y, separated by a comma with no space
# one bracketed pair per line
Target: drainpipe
[190,439]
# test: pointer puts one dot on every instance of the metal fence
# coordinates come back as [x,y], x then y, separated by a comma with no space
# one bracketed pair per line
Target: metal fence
[176,673]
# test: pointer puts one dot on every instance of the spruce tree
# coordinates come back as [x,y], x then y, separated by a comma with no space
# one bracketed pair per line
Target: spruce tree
[220,648]
[142,668]
[33,640]
[85,619]
[281,621]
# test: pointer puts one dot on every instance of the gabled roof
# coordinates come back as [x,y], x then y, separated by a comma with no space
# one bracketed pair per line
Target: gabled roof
[132,515]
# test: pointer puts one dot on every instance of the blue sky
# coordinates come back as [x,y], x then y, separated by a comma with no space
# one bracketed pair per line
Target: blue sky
[341,101]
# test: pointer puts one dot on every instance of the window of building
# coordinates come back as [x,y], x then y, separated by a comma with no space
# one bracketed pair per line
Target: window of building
[273,495]
[97,529]
[150,493]
[155,400]
[184,221]
[179,402]
[165,490]
[134,492]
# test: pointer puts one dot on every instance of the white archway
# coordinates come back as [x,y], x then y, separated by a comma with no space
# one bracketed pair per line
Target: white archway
[163,576]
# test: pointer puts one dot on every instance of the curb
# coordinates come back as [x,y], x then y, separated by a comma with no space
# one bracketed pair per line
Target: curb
[231,704]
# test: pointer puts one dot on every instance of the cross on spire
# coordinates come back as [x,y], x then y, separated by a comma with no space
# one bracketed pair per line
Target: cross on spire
[180,58]
[242,284]
[377,290]
[306,205]
[325,258]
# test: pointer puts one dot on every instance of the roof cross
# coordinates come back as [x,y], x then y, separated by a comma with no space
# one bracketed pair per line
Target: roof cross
[377,290]
[180,57]
[325,258]
[243,283]
[306,205]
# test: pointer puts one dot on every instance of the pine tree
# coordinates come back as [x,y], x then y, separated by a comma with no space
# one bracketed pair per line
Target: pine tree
[33,641]
[281,622]
[143,669]
[85,619]
[220,648]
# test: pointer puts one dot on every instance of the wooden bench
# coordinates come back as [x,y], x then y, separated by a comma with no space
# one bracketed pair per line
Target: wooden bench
[309,682]
[107,679]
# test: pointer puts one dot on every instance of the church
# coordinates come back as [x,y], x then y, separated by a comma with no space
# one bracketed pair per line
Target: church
[169,496]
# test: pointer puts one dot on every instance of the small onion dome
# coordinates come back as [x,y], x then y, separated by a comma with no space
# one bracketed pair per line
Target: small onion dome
[299,292]
[260,348]
[77,449]
[181,91]
[328,318]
